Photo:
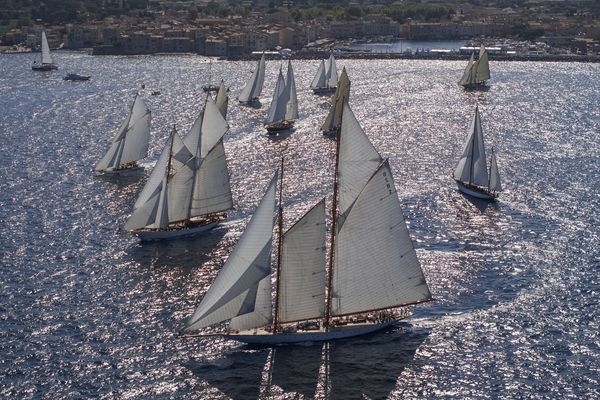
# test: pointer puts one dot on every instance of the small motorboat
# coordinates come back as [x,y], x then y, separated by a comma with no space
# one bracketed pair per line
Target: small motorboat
[76,77]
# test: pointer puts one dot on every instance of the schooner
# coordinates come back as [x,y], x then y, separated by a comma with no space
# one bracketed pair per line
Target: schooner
[471,172]
[326,77]
[371,271]
[284,107]
[476,72]
[188,191]
[251,92]
[333,122]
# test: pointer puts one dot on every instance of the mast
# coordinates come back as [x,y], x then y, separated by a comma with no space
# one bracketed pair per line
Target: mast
[333,228]
[473,144]
[279,248]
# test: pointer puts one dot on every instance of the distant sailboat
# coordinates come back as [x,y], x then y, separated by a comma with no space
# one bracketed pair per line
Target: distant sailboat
[251,92]
[372,270]
[222,99]
[46,61]
[333,122]
[130,144]
[476,72]
[471,172]
[188,191]
[326,79]
[284,106]
[210,87]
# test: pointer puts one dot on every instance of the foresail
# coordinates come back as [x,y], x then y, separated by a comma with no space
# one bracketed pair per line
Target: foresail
[358,159]
[181,180]
[154,213]
[211,188]
[261,314]
[46,57]
[156,176]
[302,279]
[292,99]
[471,167]
[376,266]
[319,79]
[214,127]
[222,100]
[468,73]
[248,264]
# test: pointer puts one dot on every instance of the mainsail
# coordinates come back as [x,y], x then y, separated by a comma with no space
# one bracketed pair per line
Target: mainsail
[46,57]
[375,264]
[320,78]
[292,99]
[472,167]
[302,270]
[331,73]
[495,184]
[131,141]
[278,108]
[254,85]
[242,282]
[342,94]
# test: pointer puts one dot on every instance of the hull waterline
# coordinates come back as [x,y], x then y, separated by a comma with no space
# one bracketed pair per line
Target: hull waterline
[309,336]
[471,191]
[150,236]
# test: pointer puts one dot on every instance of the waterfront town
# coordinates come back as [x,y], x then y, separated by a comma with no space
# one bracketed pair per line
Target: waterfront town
[237,29]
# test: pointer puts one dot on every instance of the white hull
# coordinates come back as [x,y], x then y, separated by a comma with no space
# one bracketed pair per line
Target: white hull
[480,194]
[122,171]
[266,338]
[148,235]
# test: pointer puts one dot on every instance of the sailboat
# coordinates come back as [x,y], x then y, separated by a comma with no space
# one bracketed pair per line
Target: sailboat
[130,144]
[188,191]
[210,87]
[222,100]
[471,173]
[476,72]
[326,78]
[46,62]
[372,268]
[251,92]
[333,122]
[284,106]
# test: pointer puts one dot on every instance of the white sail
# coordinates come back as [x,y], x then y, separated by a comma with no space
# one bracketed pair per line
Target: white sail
[472,167]
[181,180]
[278,106]
[254,85]
[262,314]
[342,94]
[233,292]
[222,100]
[302,279]
[46,57]
[468,73]
[154,213]
[495,184]
[331,72]
[131,141]
[211,188]
[376,266]
[319,79]
[358,159]
[482,69]
[292,99]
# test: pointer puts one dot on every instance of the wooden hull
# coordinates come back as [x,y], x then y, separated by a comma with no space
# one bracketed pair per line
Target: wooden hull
[153,235]
[331,133]
[254,103]
[324,90]
[342,332]
[476,86]
[475,191]
[210,88]
[44,67]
